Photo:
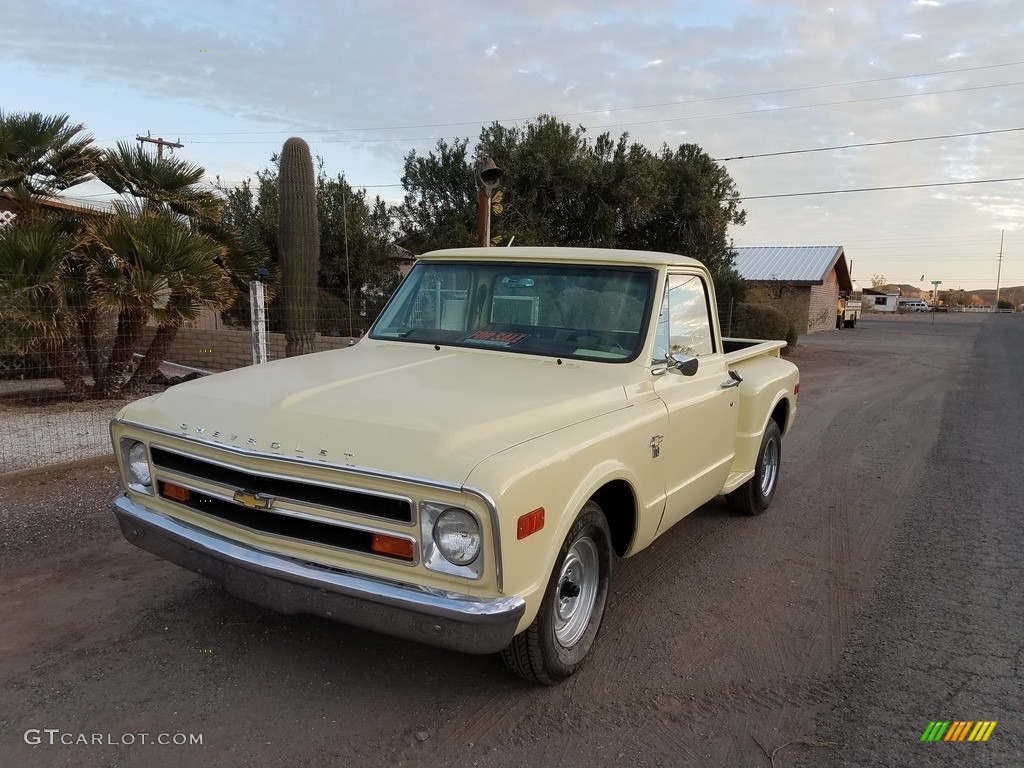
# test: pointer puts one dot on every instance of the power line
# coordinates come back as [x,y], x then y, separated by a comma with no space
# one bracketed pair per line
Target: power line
[868,144]
[880,189]
[811,106]
[742,113]
[606,110]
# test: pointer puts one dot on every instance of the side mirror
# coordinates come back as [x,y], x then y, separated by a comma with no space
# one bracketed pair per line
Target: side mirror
[684,364]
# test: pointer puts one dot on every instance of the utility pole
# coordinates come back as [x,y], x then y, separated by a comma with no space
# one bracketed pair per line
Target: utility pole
[999,271]
[160,144]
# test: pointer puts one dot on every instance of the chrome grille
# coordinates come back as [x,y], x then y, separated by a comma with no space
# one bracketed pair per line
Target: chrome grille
[337,498]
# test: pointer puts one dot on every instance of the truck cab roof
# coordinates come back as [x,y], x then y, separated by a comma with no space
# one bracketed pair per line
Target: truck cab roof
[552,255]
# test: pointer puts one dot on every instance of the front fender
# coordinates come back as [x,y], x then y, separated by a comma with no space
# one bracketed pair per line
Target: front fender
[560,471]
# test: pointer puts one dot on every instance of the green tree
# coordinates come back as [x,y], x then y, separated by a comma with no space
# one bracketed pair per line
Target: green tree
[439,208]
[172,182]
[563,189]
[34,312]
[61,269]
[146,264]
[695,201]
[41,156]
[557,189]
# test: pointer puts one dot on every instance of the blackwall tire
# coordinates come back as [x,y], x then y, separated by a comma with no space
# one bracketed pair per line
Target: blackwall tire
[556,644]
[755,495]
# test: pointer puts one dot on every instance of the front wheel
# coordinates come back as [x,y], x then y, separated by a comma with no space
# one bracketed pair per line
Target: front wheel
[554,646]
[755,495]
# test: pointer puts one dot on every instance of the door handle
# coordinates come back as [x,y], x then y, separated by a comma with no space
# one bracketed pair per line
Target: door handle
[734,381]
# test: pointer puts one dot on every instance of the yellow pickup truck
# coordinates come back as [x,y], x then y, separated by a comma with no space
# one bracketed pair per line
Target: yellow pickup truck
[469,472]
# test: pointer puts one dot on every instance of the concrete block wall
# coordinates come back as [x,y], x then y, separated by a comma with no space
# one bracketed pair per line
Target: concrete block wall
[821,311]
[227,348]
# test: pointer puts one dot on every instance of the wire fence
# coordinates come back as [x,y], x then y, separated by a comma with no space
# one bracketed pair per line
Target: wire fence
[42,422]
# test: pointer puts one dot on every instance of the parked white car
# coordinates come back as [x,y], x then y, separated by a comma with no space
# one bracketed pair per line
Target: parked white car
[913,305]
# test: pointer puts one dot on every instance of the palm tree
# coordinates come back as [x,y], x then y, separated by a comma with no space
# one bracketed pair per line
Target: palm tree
[194,280]
[169,181]
[155,257]
[33,310]
[41,155]
[180,226]
[147,262]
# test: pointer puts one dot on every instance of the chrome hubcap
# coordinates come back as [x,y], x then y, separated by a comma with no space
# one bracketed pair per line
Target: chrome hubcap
[576,592]
[769,467]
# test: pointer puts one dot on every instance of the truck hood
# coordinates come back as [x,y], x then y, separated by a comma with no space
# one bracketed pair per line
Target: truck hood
[390,406]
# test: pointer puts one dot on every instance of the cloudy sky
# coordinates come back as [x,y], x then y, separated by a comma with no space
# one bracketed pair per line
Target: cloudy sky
[794,81]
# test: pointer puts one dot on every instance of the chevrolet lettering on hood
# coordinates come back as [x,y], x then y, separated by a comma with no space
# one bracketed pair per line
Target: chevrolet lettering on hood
[275,445]
[468,472]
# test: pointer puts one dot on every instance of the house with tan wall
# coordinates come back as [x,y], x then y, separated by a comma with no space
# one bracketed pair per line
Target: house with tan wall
[815,275]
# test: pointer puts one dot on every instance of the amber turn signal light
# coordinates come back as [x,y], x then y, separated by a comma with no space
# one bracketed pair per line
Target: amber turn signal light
[530,523]
[392,545]
[176,492]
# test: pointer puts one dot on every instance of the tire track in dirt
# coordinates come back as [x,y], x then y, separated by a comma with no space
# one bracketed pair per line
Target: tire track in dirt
[638,588]
[495,714]
[841,443]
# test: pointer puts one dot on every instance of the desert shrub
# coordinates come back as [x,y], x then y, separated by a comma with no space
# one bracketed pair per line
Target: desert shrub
[765,321]
[790,301]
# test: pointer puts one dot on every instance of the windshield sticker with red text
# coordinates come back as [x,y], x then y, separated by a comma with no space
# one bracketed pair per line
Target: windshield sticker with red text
[495,338]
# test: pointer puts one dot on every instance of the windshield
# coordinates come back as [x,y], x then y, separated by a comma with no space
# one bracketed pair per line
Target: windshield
[577,312]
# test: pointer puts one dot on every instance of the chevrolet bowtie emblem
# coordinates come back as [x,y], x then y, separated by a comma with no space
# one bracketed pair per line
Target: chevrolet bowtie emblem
[253,500]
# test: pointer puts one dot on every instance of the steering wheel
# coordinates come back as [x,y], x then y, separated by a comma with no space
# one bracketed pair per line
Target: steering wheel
[577,335]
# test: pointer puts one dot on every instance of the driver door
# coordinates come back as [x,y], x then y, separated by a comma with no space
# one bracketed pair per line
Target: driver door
[698,450]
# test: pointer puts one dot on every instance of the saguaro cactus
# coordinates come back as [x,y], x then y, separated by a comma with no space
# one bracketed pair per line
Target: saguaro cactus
[298,241]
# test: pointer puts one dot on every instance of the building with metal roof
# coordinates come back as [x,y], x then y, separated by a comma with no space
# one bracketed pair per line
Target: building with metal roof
[813,275]
[10,205]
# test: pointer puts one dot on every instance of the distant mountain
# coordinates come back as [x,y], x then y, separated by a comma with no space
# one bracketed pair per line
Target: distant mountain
[1013,294]
[905,290]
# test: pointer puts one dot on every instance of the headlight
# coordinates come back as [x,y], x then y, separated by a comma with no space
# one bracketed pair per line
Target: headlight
[457,536]
[137,464]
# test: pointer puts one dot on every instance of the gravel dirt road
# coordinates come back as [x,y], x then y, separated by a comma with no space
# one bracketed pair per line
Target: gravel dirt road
[881,591]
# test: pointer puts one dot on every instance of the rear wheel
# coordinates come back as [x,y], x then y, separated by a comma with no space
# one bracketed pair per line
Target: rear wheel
[554,646]
[755,495]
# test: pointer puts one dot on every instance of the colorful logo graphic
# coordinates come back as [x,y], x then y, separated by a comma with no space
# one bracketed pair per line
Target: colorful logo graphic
[958,730]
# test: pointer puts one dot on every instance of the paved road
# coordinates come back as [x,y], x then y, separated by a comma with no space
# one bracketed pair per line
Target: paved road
[942,637]
[880,592]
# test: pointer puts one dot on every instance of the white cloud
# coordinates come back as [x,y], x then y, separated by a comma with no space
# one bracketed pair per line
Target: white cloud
[318,69]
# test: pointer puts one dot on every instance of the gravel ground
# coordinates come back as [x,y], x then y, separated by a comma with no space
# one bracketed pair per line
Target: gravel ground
[39,427]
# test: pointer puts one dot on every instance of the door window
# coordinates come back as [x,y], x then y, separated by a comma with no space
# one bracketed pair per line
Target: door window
[684,325]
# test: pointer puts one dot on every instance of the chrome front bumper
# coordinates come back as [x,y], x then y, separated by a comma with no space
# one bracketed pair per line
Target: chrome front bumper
[461,623]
